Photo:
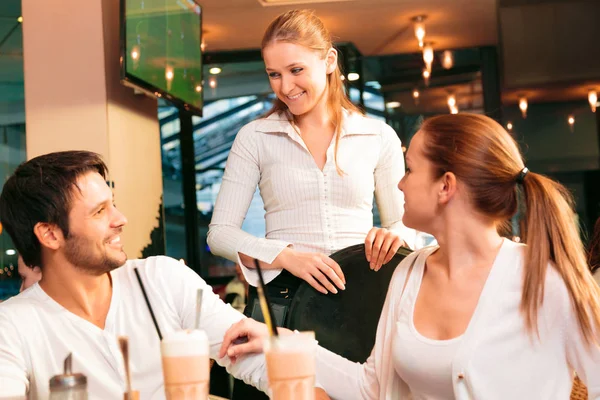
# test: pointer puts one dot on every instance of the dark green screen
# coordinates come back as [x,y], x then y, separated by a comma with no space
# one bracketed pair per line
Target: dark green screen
[163,37]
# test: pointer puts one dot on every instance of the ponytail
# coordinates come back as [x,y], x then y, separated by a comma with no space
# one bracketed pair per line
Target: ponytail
[551,234]
[480,152]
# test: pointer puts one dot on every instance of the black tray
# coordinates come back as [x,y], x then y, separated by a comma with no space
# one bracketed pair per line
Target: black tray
[346,323]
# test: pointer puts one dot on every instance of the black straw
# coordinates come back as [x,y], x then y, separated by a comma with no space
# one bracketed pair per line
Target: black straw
[265,304]
[148,303]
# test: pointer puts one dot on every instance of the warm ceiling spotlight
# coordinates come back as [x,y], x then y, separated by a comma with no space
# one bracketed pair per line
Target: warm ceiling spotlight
[428,55]
[392,104]
[416,94]
[215,71]
[451,101]
[571,121]
[523,106]
[212,82]
[447,59]
[509,126]
[353,76]
[198,88]
[426,76]
[593,99]
[419,23]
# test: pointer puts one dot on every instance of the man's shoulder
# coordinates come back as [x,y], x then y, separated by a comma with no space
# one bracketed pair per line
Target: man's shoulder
[153,262]
[152,268]
[24,304]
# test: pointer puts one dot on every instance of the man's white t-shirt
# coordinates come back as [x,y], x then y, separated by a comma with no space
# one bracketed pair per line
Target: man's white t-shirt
[37,334]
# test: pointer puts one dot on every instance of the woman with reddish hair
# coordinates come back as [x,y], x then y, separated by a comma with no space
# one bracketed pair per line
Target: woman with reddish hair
[478,316]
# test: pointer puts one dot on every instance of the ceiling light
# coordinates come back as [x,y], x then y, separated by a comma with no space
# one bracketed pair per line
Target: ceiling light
[523,106]
[447,59]
[593,99]
[11,252]
[428,55]
[212,82]
[198,88]
[571,121]
[419,22]
[426,75]
[416,95]
[451,101]
[353,76]
[215,71]
[509,126]
[392,104]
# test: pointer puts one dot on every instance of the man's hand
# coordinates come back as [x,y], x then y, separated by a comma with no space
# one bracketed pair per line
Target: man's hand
[244,337]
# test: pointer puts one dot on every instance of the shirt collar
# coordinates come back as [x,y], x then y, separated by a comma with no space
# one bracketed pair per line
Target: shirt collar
[352,124]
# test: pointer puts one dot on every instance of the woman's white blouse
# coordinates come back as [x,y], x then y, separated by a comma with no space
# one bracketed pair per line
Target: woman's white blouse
[496,359]
[307,208]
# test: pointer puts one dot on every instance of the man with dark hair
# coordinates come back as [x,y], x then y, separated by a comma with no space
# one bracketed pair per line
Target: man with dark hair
[59,211]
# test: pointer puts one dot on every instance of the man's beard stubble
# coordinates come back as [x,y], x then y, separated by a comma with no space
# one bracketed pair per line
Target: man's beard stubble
[76,254]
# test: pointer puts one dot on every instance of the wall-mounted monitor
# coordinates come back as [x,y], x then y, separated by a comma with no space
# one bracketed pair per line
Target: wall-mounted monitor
[161,50]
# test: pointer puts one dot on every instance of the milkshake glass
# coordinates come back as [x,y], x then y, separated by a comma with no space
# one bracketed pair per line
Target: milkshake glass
[185,360]
[291,366]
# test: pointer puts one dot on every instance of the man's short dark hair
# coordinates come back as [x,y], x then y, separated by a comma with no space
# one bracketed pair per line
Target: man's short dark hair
[41,190]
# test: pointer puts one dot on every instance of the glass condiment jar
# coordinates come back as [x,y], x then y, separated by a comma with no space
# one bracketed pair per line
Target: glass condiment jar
[68,386]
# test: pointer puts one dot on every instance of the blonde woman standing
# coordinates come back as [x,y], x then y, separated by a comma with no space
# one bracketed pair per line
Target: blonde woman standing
[318,162]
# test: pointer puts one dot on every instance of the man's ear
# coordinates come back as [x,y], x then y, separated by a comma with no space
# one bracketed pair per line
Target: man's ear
[49,235]
[448,187]
[331,60]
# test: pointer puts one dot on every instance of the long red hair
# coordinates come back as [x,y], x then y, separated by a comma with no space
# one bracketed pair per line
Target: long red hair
[487,160]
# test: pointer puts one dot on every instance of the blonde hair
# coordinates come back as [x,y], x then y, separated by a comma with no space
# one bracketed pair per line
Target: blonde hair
[487,159]
[304,28]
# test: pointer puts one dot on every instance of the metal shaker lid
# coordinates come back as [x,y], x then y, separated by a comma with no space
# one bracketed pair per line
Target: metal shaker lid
[68,380]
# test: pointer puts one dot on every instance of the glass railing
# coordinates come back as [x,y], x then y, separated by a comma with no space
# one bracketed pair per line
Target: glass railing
[214,134]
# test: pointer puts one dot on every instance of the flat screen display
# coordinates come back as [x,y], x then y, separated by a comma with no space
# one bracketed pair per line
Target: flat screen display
[160,49]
